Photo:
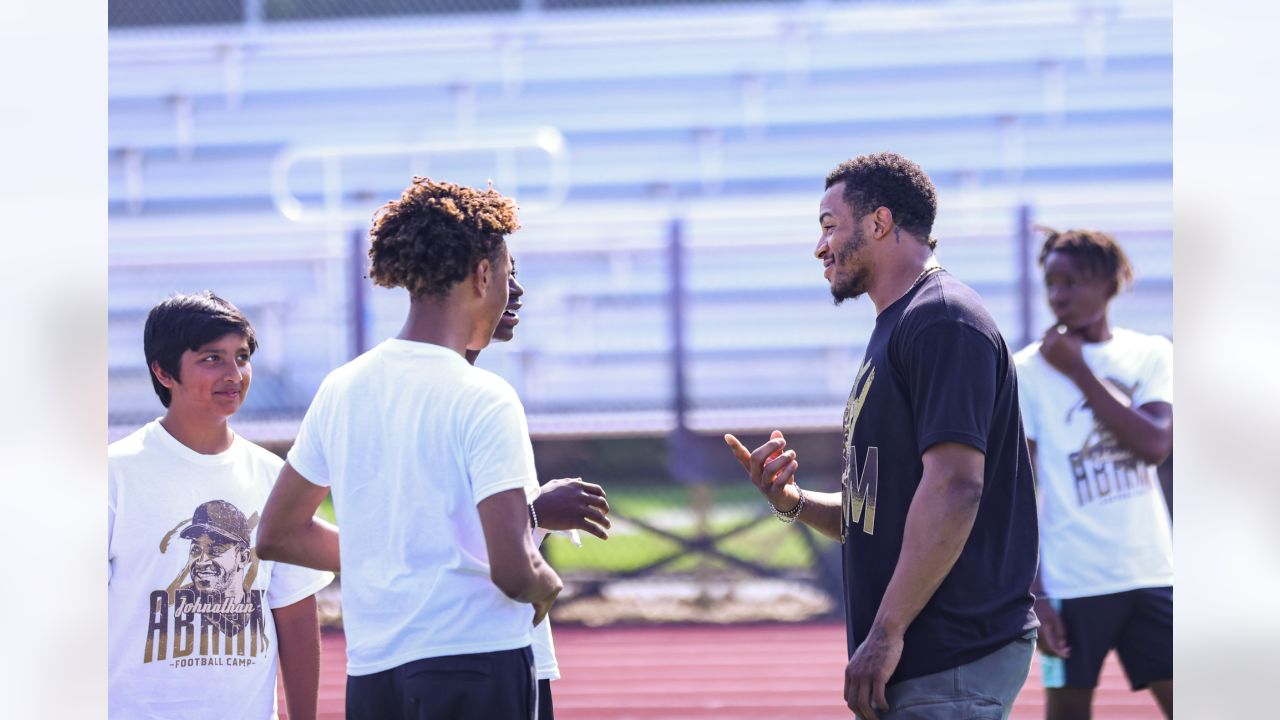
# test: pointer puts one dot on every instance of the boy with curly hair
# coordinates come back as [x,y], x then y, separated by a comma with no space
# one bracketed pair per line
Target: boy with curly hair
[431,469]
[1097,404]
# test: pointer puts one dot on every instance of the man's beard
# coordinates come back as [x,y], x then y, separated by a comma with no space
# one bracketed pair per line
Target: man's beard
[850,288]
[855,285]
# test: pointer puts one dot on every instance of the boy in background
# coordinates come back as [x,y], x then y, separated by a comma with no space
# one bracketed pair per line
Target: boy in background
[1097,406]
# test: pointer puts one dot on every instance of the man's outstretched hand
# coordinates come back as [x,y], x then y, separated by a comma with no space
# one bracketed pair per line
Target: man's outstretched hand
[571,504]
[772,470]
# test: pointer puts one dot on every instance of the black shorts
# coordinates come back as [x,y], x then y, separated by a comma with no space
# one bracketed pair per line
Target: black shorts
[1138,624]
[545,710]
[496,685]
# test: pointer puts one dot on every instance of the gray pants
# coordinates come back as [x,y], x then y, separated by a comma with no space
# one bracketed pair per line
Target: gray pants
[981,690]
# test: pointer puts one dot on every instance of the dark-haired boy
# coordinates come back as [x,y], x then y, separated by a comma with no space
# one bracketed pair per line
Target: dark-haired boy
[196,628]
[432,474]
[1097,403]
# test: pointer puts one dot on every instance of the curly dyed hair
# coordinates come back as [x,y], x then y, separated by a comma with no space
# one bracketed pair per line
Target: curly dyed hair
[1098,253]
[887,179]
[433,236]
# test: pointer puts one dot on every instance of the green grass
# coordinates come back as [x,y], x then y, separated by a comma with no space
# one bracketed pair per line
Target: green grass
[768,543]
[325,511]
[647,501]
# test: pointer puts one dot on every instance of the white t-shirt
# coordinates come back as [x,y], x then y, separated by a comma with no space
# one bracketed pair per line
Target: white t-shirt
[1104,523]
[410,437]
[189,628]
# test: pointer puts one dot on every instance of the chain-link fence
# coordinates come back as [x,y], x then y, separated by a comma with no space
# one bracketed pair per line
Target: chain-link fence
[122,14]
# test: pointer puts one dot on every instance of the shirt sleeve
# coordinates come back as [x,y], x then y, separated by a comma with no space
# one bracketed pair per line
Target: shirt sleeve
[499,453]
[951,373]
[1157,385]
[307,454]
[291,583]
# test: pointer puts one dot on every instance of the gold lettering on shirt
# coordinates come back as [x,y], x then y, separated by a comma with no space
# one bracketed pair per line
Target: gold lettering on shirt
[858,499]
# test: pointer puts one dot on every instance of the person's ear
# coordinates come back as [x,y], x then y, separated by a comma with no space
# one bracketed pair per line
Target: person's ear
[883,222]
[483,276]
[164,377]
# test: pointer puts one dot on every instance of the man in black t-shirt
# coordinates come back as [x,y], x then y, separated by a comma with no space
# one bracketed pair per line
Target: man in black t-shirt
[937,516]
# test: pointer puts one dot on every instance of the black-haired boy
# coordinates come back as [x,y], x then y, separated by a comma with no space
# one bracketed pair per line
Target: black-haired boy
[196,628]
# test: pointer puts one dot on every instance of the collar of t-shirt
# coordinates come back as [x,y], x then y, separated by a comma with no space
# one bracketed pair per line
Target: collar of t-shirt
[1089,348]
[423,348]
[172,445]
[910,293]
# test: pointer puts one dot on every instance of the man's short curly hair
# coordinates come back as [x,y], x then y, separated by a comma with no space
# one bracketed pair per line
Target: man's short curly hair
[433,236]
[1098,253]
[887,179]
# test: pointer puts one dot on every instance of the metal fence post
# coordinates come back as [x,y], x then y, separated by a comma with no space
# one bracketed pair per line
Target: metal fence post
[359,292]
[675,261]
[1025,279]
[255,12]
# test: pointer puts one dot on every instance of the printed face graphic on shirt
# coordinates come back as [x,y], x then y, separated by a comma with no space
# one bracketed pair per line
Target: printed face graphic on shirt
[1103,469]
[209,615]
[218,566]
[858,498]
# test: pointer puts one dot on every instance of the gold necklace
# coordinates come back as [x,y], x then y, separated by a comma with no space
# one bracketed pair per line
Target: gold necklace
[922,275]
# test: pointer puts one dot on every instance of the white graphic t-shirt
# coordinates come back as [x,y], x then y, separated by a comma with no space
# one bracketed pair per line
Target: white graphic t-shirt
[410,438]
[189,624]
[1104,523]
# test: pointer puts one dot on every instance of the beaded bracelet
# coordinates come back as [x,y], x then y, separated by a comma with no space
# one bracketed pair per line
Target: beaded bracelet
[533,515]
[789,516]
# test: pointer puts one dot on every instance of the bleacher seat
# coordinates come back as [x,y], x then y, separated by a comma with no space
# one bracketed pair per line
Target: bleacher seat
[724,118]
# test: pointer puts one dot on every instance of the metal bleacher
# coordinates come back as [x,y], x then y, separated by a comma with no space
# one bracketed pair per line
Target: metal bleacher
[716,122]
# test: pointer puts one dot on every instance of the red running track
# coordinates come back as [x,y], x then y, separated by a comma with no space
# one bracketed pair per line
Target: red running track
[731,672]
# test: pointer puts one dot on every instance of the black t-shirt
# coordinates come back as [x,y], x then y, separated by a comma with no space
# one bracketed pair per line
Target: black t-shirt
[937,370]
